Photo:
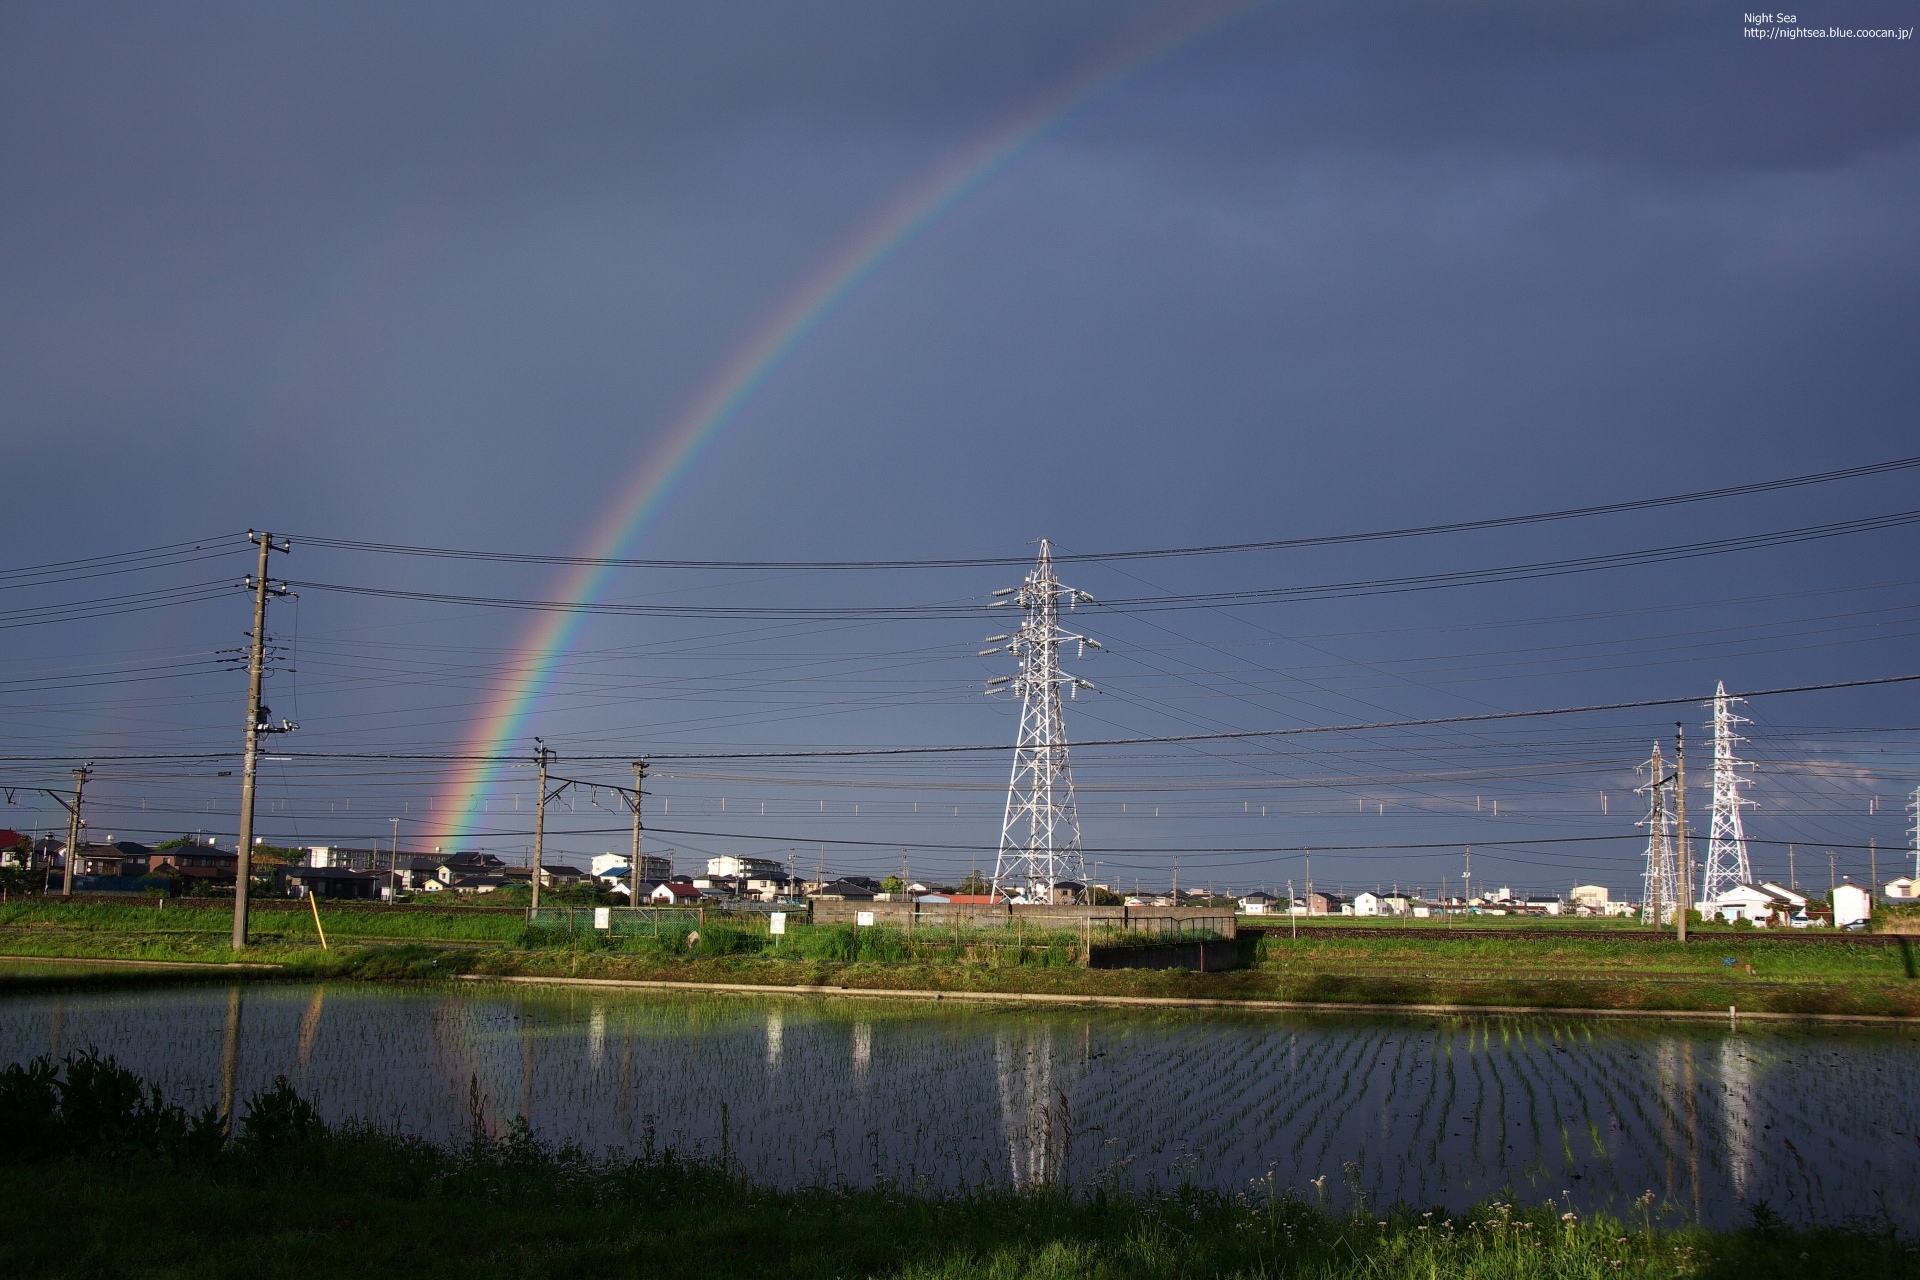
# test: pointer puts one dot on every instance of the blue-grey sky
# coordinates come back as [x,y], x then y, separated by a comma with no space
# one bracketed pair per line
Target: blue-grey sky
[441,274]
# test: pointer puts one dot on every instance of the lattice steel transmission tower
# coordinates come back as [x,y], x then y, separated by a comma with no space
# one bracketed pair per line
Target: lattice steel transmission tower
[1727,863]
[1658,889]
[1913,807]
[1040,834]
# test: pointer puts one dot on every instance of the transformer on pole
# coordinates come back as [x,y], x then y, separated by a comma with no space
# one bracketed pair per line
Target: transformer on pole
[1040,833]
[1727,863]
[1658,890]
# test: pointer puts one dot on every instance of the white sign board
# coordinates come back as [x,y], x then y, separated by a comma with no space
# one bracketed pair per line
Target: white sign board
[777,924]
[603,917]
[864,920]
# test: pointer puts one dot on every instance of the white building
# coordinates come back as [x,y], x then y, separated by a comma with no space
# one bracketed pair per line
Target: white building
[729,867]
[1746,902]
[1593,897]
[1257,904]
[1851,903]
[1905,889]
[1366,904]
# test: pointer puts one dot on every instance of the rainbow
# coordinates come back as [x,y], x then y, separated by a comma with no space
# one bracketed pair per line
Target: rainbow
[517,696]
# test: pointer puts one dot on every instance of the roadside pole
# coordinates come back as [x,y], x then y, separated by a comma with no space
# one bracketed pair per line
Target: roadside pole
[633,863]
[250,766]
[74,824]
[541,756]
[1685,850]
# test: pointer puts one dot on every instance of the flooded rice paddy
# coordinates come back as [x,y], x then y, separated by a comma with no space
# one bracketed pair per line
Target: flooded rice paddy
[1821,1125]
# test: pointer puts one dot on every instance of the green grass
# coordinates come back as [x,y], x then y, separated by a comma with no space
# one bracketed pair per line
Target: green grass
[1536,967]
[278,1193]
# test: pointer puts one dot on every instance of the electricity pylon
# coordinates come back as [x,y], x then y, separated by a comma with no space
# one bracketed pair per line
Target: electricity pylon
[1040,834]
[1727,863]
[1913,807]
[1658,891]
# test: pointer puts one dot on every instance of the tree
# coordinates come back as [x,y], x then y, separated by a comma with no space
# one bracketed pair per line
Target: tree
[974,883]
[893,884]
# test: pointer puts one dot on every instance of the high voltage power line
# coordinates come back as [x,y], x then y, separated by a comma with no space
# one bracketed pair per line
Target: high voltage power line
[1324,540]
[819,753]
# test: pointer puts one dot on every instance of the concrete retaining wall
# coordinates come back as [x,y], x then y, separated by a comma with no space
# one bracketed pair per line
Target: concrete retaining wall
[980,915]
[1204,957]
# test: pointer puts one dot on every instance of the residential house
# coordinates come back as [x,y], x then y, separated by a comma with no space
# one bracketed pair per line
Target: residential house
[1905,889]
[1366,904]
[333,882]
[1851,904]
[1791,907]
[1750,902]
[201,862]
[675,893]
[558,873]
[469,864]
[849,889]
[419,873]
[1322,903]
[1395,904]
[1257,903]
[115,858]
[482,882]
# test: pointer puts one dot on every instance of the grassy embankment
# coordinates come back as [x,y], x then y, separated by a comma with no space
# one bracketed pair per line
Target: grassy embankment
[1550,966]
[279,1193]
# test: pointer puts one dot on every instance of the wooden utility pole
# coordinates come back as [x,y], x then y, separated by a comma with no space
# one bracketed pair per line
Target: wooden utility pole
[74,824]
[256,725]
[540,755]
[1684,849]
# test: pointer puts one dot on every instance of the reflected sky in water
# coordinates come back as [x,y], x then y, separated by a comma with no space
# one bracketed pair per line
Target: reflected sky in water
[1821,1125]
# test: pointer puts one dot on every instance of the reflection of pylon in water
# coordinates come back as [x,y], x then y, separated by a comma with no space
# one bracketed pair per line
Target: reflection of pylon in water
[1040,834]
[1657,887]
[1727,863]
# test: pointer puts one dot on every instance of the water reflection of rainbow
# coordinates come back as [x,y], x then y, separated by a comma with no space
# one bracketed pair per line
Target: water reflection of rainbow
[504,721]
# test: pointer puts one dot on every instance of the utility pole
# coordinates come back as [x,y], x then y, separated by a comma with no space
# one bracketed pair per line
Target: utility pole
[1873,865]
[1291,915]
[1683,844]
[1466,880]
[1309,882]
[1793,877]
[258,722]
[74,824]
[633,863]
[1833,887]
[541,756]
[393,864]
